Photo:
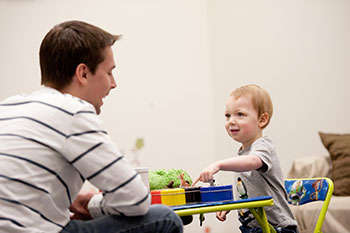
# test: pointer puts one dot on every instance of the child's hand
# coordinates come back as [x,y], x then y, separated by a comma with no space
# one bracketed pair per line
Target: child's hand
[222,215]
[207,174]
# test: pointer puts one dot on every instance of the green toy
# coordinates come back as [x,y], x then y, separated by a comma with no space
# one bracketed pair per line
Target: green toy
[161,179]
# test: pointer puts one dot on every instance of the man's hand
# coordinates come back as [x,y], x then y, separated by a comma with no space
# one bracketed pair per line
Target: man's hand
[79,207]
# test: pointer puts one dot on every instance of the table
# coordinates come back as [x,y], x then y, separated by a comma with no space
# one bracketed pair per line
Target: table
[255,205]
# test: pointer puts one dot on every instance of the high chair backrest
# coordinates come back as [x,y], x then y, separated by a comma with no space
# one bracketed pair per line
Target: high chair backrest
[304,190]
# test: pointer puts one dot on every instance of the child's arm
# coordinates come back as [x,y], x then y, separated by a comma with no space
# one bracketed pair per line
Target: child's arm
[237,164]
[241,163]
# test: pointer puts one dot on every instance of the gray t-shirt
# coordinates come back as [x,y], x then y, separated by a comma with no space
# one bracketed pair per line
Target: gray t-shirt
[267,181]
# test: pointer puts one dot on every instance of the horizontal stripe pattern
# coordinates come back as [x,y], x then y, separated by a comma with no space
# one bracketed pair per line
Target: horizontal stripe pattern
[12,221]
[104,168]
[122,184]
[38,102]
[24,182]
[34,120]
[49,143]
[31,209]
[30,139]
[86,152]
[40,166]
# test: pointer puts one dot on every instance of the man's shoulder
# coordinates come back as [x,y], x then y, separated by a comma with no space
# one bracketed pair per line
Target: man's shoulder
[47,98]
[65,102]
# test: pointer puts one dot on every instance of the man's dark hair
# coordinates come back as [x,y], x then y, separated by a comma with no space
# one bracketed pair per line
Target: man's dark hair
[66,46]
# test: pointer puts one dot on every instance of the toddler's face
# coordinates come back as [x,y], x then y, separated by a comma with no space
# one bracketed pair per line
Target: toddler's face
[242,122]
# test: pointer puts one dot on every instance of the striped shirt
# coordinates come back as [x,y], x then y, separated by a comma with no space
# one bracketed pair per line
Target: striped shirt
[50,143]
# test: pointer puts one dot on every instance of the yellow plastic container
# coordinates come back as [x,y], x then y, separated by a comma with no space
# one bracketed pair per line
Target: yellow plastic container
[175,196]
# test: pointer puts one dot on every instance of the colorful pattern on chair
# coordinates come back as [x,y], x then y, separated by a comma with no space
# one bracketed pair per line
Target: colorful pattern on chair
[302,191]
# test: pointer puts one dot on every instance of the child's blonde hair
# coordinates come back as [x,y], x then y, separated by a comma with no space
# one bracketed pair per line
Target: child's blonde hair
[260,99]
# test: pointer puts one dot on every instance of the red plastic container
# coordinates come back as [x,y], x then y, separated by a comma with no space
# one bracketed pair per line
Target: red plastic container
[156,197]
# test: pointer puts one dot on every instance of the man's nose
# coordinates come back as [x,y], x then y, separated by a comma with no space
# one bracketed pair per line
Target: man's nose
[113,83]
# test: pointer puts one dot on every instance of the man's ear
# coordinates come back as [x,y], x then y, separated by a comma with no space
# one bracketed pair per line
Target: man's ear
[81,73]
[263,120]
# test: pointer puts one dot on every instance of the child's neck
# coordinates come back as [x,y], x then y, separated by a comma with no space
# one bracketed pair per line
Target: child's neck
[248,144]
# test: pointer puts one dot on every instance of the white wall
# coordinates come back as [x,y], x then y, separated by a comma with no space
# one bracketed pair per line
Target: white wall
[179,60]
[300,52]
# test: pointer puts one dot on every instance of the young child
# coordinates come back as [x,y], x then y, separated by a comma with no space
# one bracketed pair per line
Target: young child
[248,112]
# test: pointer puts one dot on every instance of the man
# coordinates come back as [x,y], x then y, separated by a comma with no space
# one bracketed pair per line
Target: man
[52,140]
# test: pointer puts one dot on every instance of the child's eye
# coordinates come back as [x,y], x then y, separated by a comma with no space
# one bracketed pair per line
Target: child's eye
[227,115]
[240,114]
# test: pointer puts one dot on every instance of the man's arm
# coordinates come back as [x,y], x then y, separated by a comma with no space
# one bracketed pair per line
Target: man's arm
[91,151]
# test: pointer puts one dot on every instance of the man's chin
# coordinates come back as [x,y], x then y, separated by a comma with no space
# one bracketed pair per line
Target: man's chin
[98,110]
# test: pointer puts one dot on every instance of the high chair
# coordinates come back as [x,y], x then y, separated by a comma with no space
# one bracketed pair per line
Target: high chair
[304,190]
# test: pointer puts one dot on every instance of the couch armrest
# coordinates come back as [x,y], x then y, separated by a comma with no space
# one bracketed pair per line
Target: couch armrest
[310,167]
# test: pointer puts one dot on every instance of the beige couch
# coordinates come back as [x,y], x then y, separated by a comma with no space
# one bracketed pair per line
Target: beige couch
[337,219]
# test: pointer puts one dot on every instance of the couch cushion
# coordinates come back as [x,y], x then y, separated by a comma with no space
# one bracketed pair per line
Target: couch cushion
[311,167]
[338,146]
